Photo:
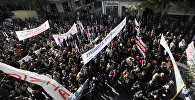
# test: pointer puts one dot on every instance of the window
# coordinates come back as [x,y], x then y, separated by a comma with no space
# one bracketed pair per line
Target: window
[77,4]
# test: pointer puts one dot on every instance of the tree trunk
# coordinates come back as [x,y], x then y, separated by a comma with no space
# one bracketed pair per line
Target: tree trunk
[191,16]
[163,14]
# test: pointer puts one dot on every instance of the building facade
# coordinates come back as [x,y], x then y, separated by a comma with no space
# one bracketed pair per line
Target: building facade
[47,5]
[69,5]
[116,6]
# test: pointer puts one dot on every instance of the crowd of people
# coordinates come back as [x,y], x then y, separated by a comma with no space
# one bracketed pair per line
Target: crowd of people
[150,79]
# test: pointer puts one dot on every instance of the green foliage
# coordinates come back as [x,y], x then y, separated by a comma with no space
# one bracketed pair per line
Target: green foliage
[191,75]
[185,6]
[163,5]
[191,71]
[131,9]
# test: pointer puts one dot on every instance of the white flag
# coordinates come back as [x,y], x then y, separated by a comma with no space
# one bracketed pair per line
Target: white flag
[136,23]
[87,56]
[32,32]
[137,27]
[179,81]
[58,39]
[76,47]
[138,30]
[80,26]
[53,88]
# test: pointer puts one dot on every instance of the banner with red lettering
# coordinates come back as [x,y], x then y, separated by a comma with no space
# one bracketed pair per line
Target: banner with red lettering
[59,38]
[32,32]
[53,88]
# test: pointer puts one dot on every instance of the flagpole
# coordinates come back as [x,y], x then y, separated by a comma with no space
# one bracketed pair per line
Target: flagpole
[159,42]
[111,41]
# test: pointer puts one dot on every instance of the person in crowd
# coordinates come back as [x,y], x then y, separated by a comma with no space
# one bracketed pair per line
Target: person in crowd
[182,45]
[120,60]
[186,93]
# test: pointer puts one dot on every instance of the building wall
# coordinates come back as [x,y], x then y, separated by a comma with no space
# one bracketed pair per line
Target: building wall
[73,4]
[22,14]
[60,7]
[47,5]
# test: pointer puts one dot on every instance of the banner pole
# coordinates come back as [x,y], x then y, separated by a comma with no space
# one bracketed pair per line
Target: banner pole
[181,57]
[159,45]
[174,96]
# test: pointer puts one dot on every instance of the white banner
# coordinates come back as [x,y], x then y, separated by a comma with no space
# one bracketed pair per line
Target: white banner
[59,38]
[27,58]
[87,56]
[179,81]
[32,32]
[53,88]
[190,52]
